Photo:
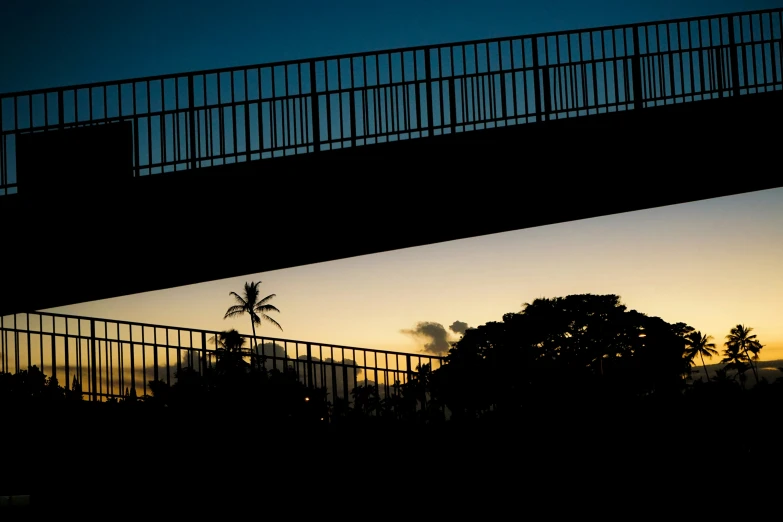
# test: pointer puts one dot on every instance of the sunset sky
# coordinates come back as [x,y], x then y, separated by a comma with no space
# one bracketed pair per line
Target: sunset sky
[710,264]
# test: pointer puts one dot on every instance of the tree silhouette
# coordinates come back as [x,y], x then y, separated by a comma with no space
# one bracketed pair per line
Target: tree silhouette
[230,351]
[698,344]
[249,303]
[734,358]
[568,351]
[739,347]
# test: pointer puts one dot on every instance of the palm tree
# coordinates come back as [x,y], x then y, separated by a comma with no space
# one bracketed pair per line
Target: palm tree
[230,349]
[734,359]
[698,344]
[740,341]
[250,304]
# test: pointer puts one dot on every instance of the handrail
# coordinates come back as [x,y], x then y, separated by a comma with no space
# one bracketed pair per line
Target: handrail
[237,114]
[107,356]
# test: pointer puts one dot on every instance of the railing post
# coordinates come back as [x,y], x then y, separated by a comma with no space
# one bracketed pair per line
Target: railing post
[3,349]
[719,69]
[353,107]
[547,92]
[60,109]
[4,346]
[16,347]
[346,391]
[315,110]
[67,361]
[334,378]
[353,118]
[54,354]
[94,359]
[503,103]
[537,81]
[247,124]
[309,367]
[258,355]
[636,71]
[428,86]
[192,126]
[734,65]
[203,364]
[409,368]
[155,372]
[133,359]
[453,101]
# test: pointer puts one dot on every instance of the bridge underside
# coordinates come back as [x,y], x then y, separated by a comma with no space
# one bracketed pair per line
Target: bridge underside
[176,229]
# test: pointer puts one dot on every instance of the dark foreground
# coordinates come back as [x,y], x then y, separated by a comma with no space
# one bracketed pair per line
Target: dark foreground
[146,463]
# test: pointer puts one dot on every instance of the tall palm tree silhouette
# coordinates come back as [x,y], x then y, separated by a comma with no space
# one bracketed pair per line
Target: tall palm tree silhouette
[249,303]
[739,340]
[698,344]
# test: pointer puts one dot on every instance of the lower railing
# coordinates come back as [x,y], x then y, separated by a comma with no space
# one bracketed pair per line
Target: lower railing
[112,359]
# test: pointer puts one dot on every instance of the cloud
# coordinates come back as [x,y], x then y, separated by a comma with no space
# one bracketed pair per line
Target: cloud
[271,349]
[458,327]
[347,362]
[435,333]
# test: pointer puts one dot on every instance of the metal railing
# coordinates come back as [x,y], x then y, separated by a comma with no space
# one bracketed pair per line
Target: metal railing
[108,358]
[200,119]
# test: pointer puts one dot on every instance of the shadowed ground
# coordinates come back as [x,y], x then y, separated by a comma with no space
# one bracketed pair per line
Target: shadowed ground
[152,462]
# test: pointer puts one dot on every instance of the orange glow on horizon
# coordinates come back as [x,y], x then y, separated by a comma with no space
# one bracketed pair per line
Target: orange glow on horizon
[711,264]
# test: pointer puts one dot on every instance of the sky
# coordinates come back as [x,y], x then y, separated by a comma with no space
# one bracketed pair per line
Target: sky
[711,264]
[49,43]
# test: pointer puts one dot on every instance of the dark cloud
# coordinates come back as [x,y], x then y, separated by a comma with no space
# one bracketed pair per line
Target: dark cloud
[271,349]
[276,356]
[337,377]
[435,333]
[347,362]
[458,327]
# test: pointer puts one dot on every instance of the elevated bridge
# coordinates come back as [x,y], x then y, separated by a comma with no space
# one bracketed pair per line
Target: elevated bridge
[128,186]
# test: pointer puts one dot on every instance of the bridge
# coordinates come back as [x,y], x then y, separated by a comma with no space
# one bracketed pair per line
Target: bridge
[128,186]
[110,358]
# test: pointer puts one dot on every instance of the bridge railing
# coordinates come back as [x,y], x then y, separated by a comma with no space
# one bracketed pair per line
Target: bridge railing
[109,358]
[200,119]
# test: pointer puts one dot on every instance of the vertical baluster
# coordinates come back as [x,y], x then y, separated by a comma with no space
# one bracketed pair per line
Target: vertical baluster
[638,94]
[316,136]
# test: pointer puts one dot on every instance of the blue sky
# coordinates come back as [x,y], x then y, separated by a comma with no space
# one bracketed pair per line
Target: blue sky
[49,43]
